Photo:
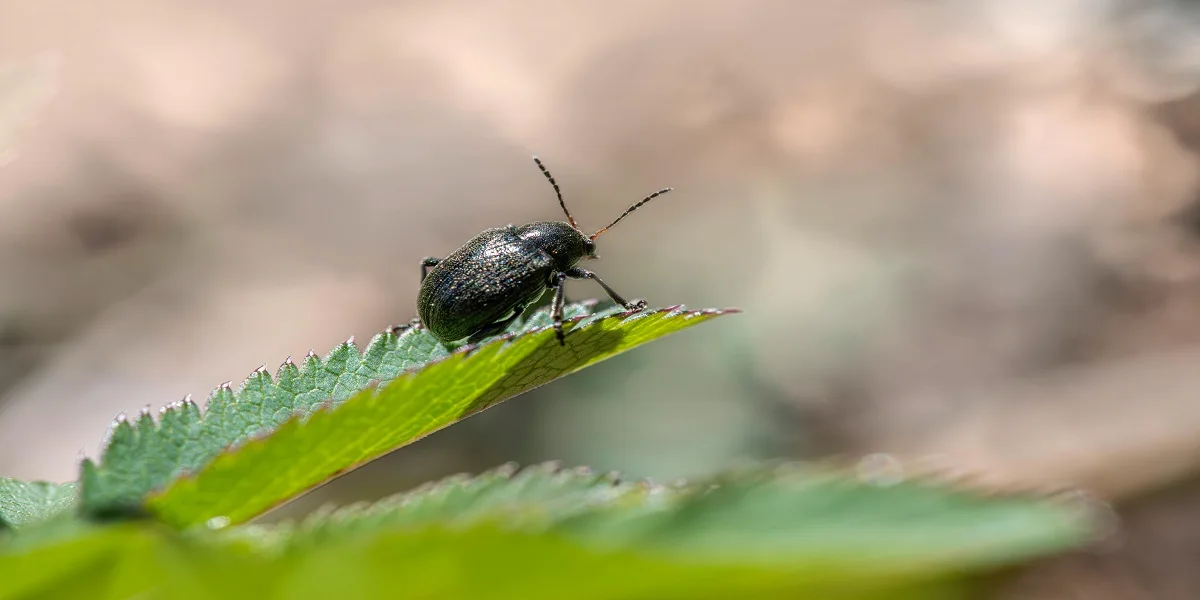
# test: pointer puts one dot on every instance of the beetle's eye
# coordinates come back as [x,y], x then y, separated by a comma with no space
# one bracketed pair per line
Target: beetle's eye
[590,246]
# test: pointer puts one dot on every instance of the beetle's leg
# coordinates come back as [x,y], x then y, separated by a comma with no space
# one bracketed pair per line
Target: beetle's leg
[498,326]
[556,309]
[398,329]
[429,261]
[577,273]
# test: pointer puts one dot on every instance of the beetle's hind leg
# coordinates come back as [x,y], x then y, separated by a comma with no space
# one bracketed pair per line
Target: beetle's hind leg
[427,262]
[399,329]
[577,273]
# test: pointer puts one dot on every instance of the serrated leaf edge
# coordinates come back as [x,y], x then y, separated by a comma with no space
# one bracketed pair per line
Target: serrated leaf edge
[498,344]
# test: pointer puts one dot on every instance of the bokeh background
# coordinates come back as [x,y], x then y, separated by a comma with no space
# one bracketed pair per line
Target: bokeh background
[963,231]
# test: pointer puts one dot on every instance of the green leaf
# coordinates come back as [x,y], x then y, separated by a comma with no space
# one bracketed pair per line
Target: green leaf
[142,457]
[762,516]
[528,499]
[26,502]
[831,525]
[304,452]
[546,533]
[309,405]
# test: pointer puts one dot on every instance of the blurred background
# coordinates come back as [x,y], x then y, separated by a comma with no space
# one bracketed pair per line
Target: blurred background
[964,232]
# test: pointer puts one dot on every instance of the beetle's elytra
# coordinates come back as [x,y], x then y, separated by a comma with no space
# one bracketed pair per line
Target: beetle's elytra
[482,287]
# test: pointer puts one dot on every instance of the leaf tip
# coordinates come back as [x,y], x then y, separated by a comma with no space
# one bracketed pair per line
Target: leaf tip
[219,522]
[880,469]
[145,420]
[631,316]
[119,429]
[1102,518]
[548,467]
[645,484]
[87,469]
[507,470]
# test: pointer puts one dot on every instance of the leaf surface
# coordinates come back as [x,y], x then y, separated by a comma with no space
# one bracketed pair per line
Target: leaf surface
[547,533]
[274,438]
[26,502]
[304,452]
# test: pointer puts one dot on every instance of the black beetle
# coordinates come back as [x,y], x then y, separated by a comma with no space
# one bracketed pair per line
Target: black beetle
[482,287]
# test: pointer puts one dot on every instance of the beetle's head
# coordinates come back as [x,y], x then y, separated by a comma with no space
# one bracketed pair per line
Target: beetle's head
[564,243]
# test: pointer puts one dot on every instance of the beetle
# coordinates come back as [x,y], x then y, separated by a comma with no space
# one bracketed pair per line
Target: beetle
[481,288]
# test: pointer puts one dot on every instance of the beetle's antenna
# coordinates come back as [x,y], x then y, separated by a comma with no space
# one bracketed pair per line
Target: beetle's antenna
[557,192]
[631,209]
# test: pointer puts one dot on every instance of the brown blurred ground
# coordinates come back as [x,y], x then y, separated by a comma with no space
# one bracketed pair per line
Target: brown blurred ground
[966,229]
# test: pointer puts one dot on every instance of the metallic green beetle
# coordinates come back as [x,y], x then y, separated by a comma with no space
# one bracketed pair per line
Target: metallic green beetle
[482,287]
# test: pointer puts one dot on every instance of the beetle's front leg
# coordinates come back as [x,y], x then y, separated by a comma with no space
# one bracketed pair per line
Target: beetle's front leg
[427,262]
[559,282]
[577,273]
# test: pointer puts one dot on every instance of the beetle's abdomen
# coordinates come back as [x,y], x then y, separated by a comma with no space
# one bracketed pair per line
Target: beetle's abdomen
[480,284]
